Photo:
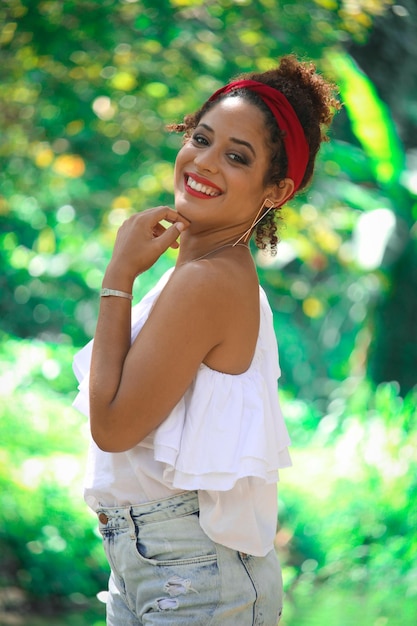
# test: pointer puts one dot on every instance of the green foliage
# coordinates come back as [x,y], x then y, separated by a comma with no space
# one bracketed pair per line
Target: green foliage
[44,524]
[370,117]
[310,605]
[351,503]
[389,59]
[347,509]
[87,88]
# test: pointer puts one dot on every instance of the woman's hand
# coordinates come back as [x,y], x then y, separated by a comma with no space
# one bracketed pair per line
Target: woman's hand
[139,243]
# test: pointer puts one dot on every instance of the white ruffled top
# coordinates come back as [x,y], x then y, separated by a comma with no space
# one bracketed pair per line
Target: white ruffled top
[226,438]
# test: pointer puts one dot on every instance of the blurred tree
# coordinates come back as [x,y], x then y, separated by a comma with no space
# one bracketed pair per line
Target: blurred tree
[87,89]
[389,58]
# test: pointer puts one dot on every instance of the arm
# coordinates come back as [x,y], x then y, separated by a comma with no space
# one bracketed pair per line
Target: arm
[134,387]
[140,242]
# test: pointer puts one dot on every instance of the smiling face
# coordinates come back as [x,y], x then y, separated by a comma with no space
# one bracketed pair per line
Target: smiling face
[220,171]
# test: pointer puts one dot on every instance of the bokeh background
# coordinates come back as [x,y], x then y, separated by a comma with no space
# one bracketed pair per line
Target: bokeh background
[86,89]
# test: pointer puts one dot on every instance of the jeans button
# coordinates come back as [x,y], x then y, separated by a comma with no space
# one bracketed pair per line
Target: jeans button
[103,518]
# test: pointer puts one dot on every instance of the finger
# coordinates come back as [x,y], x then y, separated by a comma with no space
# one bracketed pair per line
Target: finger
[161,213]
[166,214]
[158,230]
[169,237]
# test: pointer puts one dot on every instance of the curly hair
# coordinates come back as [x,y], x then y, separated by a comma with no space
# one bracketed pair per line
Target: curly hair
[314,101]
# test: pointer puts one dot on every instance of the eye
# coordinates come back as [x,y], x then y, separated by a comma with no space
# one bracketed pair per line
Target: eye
[199,139]
[238,158]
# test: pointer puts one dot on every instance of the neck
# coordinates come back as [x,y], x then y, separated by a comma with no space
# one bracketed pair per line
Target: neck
[193,248]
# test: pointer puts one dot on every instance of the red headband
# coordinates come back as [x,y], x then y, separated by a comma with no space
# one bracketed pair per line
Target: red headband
[295,143]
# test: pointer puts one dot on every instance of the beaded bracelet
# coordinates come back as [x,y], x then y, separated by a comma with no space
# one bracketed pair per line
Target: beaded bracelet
[115,292]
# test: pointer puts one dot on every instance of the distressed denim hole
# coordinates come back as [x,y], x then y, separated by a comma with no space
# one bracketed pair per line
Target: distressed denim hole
[165,604]
[176,586]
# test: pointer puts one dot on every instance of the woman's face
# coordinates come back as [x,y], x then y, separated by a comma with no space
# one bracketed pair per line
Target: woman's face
[220,170]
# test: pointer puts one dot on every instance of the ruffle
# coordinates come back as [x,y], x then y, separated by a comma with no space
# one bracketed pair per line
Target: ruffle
[226,427]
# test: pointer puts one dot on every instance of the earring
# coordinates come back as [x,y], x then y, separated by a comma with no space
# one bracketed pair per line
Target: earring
[256,220]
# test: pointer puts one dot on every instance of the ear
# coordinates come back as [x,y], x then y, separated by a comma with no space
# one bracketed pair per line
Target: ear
[279,194]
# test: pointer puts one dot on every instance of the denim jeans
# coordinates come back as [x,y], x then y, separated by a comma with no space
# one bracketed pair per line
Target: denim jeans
[165,570]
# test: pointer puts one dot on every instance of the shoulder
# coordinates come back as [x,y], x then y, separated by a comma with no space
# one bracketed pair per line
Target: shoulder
[193,300]
[207,294]
[201,282]
[223,280]
[192,295]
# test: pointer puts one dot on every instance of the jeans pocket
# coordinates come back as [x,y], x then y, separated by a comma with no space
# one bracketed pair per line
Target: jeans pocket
[174,541]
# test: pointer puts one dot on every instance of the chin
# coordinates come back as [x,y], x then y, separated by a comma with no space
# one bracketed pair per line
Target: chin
[184,217]
[183,207]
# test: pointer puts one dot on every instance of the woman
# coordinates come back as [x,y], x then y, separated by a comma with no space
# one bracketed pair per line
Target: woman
[188,435]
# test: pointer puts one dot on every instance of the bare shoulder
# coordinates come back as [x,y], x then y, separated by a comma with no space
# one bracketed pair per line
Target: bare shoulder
[220,284]
[193,299]
[217,299]
[202,279]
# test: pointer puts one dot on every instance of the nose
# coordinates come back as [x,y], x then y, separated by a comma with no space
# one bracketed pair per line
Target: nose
[206,160]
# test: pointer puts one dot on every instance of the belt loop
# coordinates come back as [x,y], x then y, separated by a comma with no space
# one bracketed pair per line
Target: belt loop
[132,526]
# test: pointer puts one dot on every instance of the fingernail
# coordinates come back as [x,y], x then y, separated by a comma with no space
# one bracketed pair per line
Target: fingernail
[180,226]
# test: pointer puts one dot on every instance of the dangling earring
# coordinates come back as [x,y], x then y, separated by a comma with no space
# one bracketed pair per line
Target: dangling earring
[256,220]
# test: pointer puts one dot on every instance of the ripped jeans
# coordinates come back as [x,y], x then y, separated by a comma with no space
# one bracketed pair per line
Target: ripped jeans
[165,570]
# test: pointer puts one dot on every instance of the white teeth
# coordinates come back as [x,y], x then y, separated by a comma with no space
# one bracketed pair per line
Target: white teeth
[209,191]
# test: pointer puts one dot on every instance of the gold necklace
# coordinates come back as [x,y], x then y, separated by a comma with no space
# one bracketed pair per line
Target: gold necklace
[227,245]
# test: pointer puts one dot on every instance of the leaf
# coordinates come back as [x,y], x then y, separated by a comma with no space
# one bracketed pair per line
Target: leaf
[370,118]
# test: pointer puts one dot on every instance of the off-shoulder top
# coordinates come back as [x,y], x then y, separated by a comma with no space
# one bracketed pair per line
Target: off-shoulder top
[226,438]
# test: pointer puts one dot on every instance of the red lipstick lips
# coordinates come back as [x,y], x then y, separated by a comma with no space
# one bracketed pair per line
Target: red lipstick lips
[200,187]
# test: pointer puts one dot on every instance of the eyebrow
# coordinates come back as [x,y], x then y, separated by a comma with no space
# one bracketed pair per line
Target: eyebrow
[241,142]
